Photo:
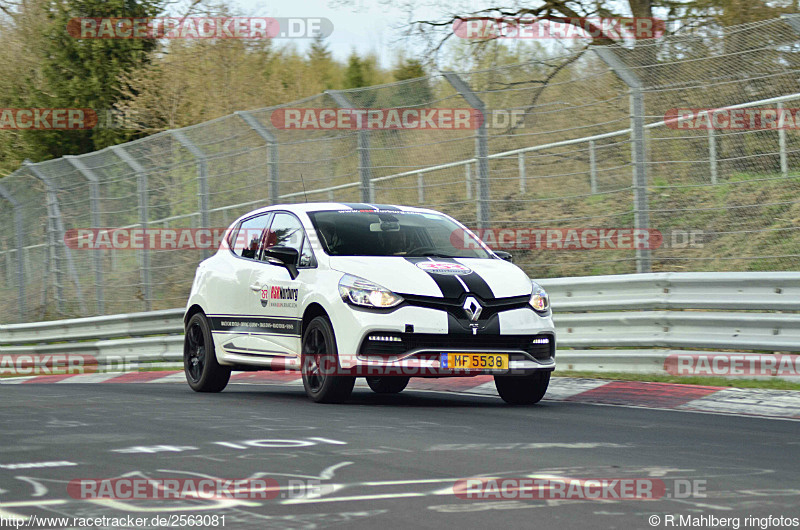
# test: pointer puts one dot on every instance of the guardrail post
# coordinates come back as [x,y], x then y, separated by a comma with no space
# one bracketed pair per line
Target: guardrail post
[54,212]
[641,212]
[272,152]
[481,147]
[142,206]
[592,167]
[94,206]
[420,189]
[522,176]
[202,181]
[20,266]
[364,159]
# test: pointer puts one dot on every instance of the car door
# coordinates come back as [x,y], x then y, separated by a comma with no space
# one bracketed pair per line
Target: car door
[276,297]
[229,315]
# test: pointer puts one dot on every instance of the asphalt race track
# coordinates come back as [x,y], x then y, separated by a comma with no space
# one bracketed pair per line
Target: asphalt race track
[384,461]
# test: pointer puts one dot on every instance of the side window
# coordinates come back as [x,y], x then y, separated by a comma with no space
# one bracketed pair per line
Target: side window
[247,237]
[285,231]
[307,255]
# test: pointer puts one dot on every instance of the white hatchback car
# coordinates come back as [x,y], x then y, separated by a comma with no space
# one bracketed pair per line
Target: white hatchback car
[340,290]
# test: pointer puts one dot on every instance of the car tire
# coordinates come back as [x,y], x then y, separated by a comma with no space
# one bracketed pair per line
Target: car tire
[203,372]
[320,361]
[388,385]
[522,390]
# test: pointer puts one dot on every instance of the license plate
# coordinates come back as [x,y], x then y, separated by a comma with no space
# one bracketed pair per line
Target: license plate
[475,361]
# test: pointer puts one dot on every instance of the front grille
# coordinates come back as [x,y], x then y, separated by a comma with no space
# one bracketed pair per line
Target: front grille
[454,306]
[534,345]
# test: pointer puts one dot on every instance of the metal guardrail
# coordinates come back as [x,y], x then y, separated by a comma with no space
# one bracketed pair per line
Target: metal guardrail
[649,315]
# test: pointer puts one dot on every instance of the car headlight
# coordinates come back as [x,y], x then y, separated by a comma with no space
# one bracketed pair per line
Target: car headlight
[361,292]
[539,301]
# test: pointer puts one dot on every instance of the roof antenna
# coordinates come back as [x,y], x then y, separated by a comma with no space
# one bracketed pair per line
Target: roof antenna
[303,182]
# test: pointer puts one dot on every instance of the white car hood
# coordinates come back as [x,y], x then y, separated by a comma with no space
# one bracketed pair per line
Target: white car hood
[403,276]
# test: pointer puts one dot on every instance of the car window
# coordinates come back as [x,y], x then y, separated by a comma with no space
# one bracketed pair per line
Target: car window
[285,231]
[245,242]
[393,233]
[307,255]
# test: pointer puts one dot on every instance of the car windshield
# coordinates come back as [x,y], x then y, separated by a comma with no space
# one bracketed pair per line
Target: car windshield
[393,233]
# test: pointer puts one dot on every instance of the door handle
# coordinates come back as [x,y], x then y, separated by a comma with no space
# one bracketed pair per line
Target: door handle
[255,287]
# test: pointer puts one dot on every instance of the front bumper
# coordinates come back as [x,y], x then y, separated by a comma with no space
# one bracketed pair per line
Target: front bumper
[418,336]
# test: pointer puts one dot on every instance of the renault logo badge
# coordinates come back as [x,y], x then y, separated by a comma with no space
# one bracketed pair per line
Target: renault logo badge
[472,308]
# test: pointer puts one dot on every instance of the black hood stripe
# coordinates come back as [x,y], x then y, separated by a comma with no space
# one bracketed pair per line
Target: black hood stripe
[450,287]
[474,282]
[477,285]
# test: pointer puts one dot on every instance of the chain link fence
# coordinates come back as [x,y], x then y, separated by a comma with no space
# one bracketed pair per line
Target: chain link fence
[583,141]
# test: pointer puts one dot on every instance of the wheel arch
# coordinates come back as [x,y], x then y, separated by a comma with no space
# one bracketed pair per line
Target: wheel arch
[313,311]
[192,311]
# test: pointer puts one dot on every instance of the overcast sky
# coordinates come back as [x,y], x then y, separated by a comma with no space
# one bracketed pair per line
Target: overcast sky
[365,26]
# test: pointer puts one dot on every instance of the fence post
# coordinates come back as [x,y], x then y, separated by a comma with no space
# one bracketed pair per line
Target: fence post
[9,267]
[592,167]
[793,20]
[782,141]
[142,206]
[94,206]
[641,212]
[481,147]
[272,151]
[522,176]
[712,154]
[364,159]
[54,212]
[20,266]
[468,178]
[202,181]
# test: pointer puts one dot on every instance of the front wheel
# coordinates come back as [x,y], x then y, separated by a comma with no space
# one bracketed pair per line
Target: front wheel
[388,385]
[203,372]
[522,390]
[320,362]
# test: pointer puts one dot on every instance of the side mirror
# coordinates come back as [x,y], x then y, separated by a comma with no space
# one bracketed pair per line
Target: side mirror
[505,256]
[284,257]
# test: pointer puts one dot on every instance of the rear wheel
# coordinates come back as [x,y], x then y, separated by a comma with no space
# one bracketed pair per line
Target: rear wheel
[522,390]
[320,362]
[203,372]
[387,385]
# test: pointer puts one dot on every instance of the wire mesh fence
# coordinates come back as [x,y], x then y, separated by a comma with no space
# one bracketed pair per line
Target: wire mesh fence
[581,164]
